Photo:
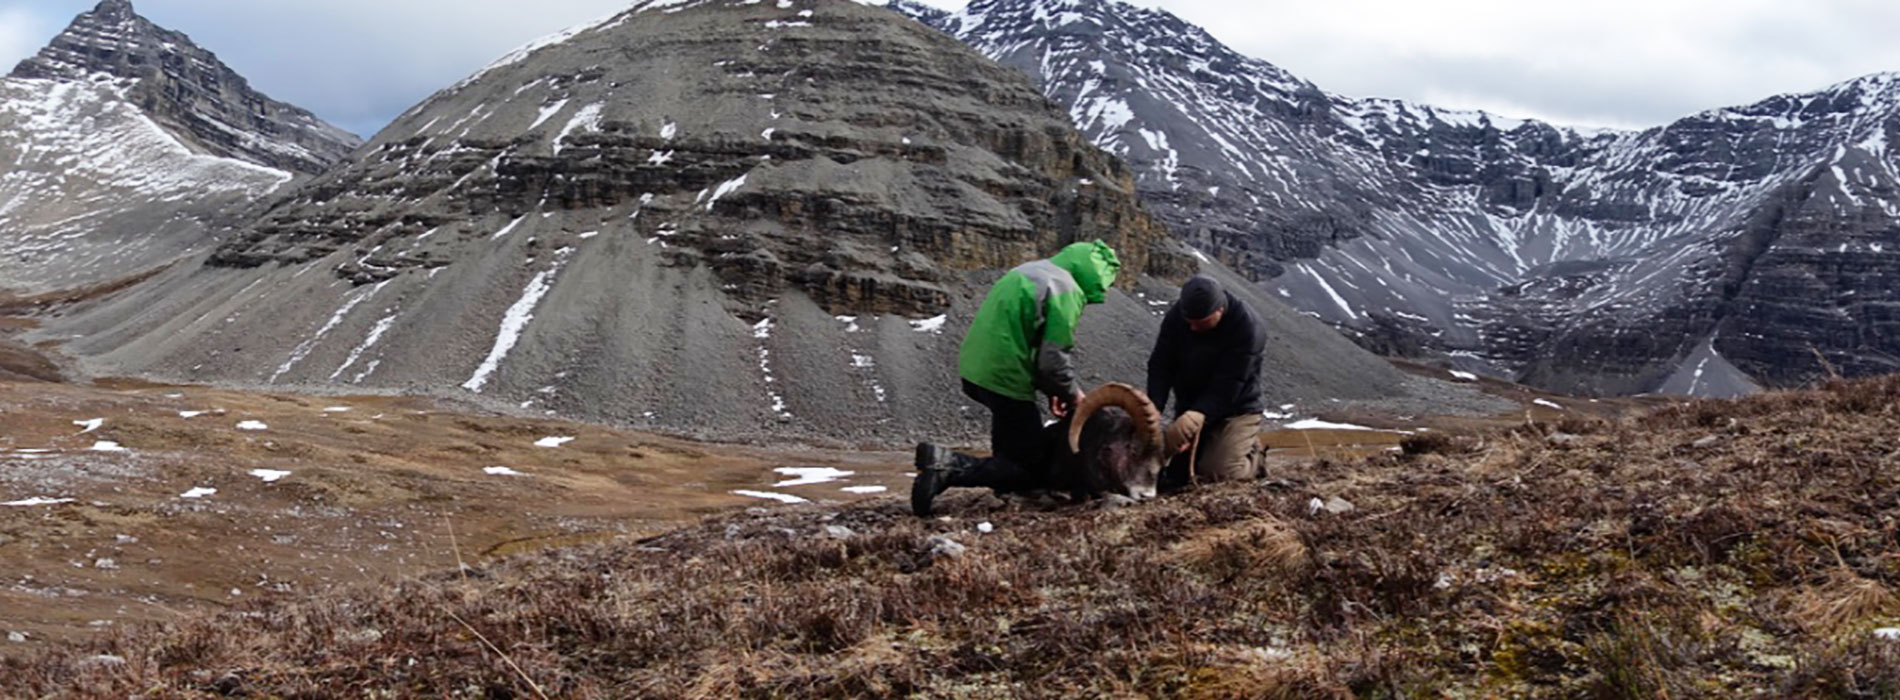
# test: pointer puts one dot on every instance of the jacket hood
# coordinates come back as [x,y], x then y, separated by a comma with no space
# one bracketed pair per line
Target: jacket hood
[1093,265]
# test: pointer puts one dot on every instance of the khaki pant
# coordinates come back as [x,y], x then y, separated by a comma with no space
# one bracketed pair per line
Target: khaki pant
[1229,452]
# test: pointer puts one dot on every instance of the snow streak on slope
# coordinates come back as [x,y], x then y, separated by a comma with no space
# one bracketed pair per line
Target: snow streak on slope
[513,323]
[89,181]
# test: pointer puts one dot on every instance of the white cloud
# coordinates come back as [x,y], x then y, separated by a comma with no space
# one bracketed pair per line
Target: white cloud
[1620,62]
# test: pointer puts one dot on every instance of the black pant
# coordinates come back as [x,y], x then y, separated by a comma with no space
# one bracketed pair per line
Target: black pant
[1018,441]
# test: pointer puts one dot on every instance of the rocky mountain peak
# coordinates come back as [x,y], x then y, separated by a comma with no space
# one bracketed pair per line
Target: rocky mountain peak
[114,9]
[112,38]
[186,89]
[126,147]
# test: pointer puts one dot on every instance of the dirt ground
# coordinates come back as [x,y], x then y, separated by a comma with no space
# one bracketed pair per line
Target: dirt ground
[375,486]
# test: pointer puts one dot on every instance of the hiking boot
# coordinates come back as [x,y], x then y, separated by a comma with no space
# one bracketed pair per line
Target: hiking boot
[932,478]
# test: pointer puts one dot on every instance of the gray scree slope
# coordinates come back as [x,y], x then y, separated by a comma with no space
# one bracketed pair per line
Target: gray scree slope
[124,146]
[1584,261]
[729,219]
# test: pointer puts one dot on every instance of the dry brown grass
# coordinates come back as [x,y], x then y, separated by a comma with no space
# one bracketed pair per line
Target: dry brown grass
[1263,547]
[1715,549]
[1842,603]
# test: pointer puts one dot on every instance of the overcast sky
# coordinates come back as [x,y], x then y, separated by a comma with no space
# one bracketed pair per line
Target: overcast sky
[1631,63]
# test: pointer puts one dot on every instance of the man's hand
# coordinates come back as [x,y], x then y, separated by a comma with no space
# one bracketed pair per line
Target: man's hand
[1062,406]
[1180,435]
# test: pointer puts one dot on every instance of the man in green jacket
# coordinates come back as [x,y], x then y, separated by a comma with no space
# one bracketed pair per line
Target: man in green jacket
[1018,345]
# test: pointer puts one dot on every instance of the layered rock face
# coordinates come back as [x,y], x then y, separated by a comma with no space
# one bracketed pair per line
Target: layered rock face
[1580,260]
[855,159]
[727,218]
[189,91]
[118,152]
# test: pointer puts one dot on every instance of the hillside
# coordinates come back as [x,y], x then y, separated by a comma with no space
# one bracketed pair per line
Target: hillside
[1732,249]
[727,219]
[1710,549]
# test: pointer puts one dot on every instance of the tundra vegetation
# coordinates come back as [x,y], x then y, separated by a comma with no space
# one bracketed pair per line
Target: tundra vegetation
[1707,549]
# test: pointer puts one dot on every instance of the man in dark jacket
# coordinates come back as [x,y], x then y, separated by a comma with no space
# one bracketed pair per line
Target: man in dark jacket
[1209,356]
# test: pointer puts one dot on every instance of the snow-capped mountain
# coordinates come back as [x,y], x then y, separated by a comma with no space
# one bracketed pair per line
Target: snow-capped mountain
[187,90]
[1580,260]
[723,217]
[119,151]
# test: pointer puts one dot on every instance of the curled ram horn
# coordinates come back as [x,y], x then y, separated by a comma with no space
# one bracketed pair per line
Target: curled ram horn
[1147,418]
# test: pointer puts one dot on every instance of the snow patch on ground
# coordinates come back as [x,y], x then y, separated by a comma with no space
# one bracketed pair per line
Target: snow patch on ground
[36,501]
[863,490]
[107,446]
[199,492]
[1317,424]
[548,112]
[270,476]
[767,495]
[725,188]
[501,471]
[90,425]
[806,476]
[254,426]
[930,325]
[552,442]
[587,119]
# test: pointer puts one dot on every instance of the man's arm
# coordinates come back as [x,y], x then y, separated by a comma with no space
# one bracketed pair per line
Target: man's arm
[1165,358]
[1055,368]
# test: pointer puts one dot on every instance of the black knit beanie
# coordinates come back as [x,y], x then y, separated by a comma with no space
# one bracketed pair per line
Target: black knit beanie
[1201,297]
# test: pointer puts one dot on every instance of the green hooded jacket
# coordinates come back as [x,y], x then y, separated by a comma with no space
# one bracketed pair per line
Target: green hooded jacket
[1020,340]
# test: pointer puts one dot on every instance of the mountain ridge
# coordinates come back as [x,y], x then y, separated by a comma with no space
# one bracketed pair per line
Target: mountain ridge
[1496,244]
[730,220]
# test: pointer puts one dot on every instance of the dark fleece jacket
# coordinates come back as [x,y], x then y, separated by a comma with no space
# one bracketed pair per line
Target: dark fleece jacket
[1216,373]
